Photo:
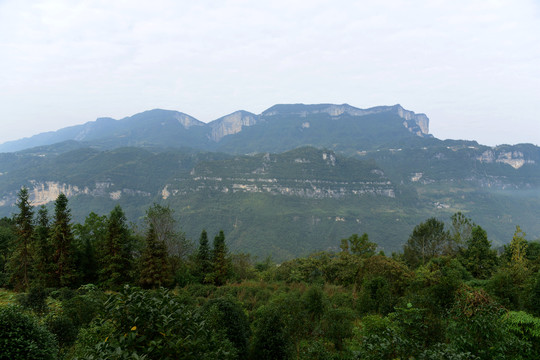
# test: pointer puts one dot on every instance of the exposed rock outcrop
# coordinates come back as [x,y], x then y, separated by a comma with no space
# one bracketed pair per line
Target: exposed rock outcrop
[416,123]
[515,159]
[231,124]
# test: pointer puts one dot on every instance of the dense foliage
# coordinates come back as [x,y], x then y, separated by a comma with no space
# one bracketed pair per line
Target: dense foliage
[448,295]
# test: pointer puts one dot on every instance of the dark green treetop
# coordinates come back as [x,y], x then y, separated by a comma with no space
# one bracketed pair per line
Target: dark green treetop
[21,260]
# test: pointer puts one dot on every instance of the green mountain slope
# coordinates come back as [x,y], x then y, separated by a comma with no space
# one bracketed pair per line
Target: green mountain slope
[283,205]
[314,174]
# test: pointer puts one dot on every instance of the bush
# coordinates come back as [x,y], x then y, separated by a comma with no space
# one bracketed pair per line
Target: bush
[63,294]
[153,324]
[338,325]
[375,296]
[227,314]
[270,339]
[477,327]
[35,300]
[63,328]
[314,350]
[81,309]
[21,337]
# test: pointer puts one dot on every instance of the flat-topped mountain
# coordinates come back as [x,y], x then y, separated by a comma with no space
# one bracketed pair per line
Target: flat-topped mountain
[166,128]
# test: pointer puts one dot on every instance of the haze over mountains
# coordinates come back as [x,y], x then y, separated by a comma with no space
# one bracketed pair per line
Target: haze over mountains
[165,128]
[293,179]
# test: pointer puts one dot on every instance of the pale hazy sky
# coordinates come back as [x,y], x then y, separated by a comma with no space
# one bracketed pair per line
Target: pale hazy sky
[472,66]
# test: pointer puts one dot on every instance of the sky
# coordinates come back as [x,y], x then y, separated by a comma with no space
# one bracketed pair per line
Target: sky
[473,67]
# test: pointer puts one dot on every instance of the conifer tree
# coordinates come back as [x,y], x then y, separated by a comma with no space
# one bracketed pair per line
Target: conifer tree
[89,236]
[7,239]
[202,260]
[62,243]
[155,270]
[220,260]
[43,248]
[116,258]
[21,260]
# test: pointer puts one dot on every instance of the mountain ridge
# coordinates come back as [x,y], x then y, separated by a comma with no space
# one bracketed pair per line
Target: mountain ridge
[129,130]
[291,180]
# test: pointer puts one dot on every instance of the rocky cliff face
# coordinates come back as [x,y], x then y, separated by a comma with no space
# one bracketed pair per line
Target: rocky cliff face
[416,123]
[231,124]
[187,121]
[44,192]
[515,159]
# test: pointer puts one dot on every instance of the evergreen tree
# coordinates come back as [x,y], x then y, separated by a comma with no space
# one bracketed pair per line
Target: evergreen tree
[43,248]
[62,242]
[89,236]
[7,239]
[116,258]
[155,270]
[21,260]
[220,260]
[479,259]
[203,262]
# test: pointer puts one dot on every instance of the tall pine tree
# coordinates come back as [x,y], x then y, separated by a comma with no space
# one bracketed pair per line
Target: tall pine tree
[220,260]
[43,249]
[89,236]
[21,260]
[116,251]
[155,270]
[203,262]
[62,242]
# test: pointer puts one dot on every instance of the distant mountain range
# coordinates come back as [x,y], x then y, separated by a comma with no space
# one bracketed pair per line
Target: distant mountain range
[291,180]
[166,128]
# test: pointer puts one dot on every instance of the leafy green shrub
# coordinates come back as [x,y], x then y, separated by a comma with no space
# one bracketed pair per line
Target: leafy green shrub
[532,296]
[375,296]
[270,338]
[418,326]
[315,302]
[35,299]
[527,328]
[435,283]
[314,350]
[200,290]
[153,324]
[21,337]
[343,299]
[63,294]
[63,328]
[337,325]
[503,288]
[81,310]
[476,326]
[227,314]
[444,351]
[380,339]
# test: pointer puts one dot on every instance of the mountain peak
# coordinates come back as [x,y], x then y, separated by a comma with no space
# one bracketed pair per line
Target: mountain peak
[170,128]
[231,124]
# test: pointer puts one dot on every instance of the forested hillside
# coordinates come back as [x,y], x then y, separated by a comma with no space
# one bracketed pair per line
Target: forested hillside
[316,173]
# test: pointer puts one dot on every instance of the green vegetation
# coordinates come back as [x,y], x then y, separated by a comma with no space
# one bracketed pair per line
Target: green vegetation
[448,295]
[316,197]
